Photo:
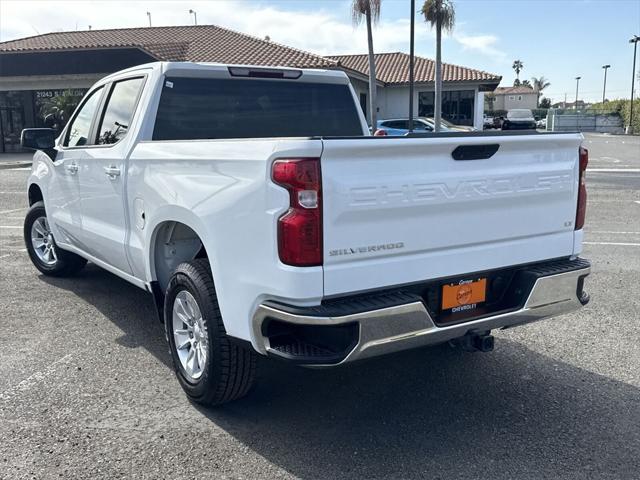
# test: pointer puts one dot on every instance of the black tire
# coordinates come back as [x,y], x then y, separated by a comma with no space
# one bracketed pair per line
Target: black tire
[67,263]
[230,369]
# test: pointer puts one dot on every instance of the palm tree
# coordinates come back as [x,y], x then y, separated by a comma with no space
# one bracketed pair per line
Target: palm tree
[539,84]
[518,66]
[442,15]
[370,11]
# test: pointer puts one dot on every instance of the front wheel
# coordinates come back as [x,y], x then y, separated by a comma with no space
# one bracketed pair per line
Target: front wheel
[210,368]
[45,255]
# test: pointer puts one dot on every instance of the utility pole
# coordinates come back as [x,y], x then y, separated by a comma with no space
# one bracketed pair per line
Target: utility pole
[635,41]
[195,16]
[149,17]
[576,106]
[604,87]
[411,47]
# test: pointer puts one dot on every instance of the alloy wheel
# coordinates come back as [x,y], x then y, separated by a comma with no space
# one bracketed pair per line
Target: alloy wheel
[190,335]
[42,242]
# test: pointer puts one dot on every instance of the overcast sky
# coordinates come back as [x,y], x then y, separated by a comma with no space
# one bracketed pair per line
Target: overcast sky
[560,39]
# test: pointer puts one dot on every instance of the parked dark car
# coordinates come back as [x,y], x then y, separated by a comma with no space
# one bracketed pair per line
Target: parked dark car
[518,119]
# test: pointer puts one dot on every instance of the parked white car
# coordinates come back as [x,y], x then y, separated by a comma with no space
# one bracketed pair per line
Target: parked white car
[400,126]
[264,219]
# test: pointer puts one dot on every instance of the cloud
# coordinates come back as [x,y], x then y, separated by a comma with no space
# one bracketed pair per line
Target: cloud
[484,44]
[321,30]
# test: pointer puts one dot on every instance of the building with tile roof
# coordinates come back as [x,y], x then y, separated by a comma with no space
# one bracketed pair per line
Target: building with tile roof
[463,87]
[34,71]
[507,98]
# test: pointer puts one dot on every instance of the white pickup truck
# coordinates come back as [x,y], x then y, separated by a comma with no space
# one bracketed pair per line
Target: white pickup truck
[264,218]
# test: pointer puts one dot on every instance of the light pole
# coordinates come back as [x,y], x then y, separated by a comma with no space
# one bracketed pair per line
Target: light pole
[149,17]
[604,88]
[577,84]
[195,16]
[635,41]
[411,46]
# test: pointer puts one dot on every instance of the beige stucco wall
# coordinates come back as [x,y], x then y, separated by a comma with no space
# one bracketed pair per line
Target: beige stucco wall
[519,100]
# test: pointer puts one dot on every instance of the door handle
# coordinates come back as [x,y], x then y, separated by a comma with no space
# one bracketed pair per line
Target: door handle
[72,168]
[112,172]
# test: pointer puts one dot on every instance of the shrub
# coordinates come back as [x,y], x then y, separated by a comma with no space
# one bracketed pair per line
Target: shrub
[622,108]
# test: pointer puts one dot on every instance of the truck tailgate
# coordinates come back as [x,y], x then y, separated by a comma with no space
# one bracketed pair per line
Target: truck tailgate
[402,210]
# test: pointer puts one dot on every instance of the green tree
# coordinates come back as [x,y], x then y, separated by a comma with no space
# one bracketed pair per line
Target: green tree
[441,15]
[544,103]
[369,10]
[518,66]
[56,111]
[539,84]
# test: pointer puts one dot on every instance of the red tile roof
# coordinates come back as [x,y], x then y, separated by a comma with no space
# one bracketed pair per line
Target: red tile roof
[514,90]
[393,69]
[202,43]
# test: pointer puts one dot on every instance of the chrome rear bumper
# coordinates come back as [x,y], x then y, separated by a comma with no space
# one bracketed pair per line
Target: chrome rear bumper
[409,325]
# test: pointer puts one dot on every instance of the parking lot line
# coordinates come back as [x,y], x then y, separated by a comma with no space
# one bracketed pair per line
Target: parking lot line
[613,243]
[611,231]
[614,170]
[33,379]
[12,211]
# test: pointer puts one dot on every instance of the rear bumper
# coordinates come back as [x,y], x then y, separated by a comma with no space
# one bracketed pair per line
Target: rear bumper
[380,330]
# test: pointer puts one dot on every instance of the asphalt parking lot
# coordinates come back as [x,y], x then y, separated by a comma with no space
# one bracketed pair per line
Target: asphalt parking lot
[87,391]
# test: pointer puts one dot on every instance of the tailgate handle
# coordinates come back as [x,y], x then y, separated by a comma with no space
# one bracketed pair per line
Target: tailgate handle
[475,152]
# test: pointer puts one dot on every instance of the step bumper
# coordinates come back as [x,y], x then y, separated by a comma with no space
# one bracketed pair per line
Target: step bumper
[379,331]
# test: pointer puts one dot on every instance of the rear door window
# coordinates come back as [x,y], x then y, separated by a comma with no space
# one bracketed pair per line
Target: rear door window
[199,108]
[119,111]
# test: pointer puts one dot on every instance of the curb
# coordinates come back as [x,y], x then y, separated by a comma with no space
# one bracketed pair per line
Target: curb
[9,165]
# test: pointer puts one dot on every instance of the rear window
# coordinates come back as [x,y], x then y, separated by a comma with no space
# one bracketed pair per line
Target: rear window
[199,108]
[519,114]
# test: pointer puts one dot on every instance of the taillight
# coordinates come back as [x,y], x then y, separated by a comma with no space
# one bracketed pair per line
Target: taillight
[582,188]
[380,133]
[300,228]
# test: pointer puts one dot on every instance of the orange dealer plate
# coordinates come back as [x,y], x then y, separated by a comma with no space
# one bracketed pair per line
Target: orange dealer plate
[464,295]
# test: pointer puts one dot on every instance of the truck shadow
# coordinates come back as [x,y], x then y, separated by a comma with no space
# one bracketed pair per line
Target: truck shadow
[131,309]
[436,413]
[441,413]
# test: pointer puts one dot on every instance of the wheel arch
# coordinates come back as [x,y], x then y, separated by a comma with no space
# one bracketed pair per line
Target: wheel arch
[35,194]
[172,242]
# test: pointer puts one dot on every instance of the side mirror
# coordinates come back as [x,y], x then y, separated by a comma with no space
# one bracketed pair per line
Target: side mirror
[38,138]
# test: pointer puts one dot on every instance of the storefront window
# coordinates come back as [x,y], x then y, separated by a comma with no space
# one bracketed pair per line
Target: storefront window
[54,107]
[457,105]
[34,108]
[15,113]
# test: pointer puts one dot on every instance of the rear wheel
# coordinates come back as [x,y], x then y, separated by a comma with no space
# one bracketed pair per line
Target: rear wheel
[42,249]
[210,368]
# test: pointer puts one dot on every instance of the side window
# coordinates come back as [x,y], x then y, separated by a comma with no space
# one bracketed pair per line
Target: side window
[78,130]
[422,126]
[119,110]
